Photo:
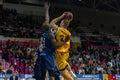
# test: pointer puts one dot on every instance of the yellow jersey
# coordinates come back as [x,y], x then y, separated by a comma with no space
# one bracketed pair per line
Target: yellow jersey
[61,35]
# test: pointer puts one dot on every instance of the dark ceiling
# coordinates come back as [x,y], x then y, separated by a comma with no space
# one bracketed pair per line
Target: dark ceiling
[102,5]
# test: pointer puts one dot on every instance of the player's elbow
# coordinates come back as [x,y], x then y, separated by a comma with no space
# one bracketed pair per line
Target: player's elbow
[56,46]
[52,23]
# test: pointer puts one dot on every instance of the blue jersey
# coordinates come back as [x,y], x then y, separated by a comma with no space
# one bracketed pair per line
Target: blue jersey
[37,68]
[47,54]
[38,51]
[48,48]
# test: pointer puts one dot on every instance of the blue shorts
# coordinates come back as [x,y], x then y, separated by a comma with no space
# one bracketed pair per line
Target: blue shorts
[37,68]
[47,62]
[57,75]
[44,62]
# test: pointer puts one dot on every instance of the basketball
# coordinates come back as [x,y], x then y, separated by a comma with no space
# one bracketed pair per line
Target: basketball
[68,15]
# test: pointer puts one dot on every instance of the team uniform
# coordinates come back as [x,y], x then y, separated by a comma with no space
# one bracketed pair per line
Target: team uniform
[57,74]
[47,55]
[37,69]
[62,53]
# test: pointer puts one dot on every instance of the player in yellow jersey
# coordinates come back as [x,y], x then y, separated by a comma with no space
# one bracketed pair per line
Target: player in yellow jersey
[62,53]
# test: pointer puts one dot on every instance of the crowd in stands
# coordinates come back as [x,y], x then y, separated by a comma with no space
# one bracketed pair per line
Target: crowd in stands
[20,56]
[95,60]
[98,40]
[84,60]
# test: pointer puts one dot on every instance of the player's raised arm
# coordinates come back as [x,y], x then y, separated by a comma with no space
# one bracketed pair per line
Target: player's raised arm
[47,6]
[54,21]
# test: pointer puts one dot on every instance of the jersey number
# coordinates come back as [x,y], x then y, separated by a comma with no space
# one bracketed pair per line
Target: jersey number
[62,38]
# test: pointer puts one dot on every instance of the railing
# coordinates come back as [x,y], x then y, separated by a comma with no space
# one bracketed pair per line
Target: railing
[80,77]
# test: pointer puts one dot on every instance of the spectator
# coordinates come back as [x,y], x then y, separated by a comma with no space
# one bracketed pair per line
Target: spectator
[1,66]
[5,78]
[90,62]
[81,70]
[14,76]
[117,71]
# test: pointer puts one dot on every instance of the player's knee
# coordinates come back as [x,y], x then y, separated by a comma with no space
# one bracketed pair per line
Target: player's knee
[66,75]
[52,78]
[69,78]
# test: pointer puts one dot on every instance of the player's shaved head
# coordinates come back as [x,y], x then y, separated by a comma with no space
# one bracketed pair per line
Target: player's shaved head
[46,25]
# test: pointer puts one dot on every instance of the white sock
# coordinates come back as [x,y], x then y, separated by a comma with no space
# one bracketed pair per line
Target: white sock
[73,75]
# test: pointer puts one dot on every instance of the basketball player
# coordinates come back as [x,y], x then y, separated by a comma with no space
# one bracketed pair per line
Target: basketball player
[62,53]
[49,45]
[37,70]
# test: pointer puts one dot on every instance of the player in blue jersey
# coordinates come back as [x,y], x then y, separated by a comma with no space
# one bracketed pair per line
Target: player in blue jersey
[37,70]
[49,44]
[57,74]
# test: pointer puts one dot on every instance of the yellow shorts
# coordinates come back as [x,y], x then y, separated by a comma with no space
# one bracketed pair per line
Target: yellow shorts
[61,60]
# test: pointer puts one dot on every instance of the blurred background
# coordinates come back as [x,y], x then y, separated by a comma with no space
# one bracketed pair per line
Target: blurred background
[95,41]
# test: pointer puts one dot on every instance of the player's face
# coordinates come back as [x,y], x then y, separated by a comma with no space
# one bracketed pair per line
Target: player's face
[65,23]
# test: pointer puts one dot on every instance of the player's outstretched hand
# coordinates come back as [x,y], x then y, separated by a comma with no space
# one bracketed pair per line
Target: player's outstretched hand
[47,5]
